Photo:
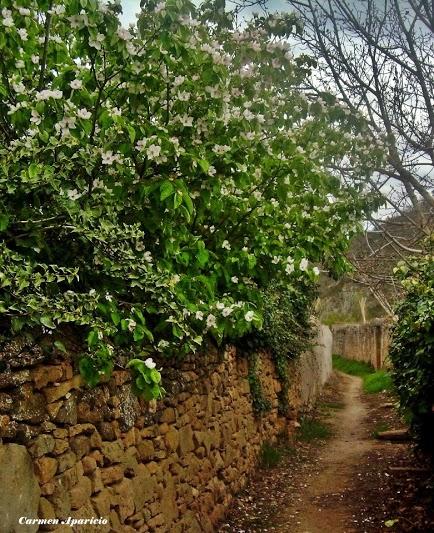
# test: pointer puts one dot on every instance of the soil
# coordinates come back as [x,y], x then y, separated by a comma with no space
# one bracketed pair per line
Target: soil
[350,482]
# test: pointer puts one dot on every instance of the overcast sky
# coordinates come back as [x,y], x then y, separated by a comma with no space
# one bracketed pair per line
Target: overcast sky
[131,7]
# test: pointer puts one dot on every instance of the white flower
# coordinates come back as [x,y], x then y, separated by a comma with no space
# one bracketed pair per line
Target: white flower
[124,34]
[199,315]
[315,270]
[19,88]
[96,43]
[84,113]
[186,121]
[211,171]
[22,32]
[275,260]
[211,321]
[147,256]
[304,263]
[35,118]
[220,305]
[289,269]
[184,96]
[131,324]
[249,316]
[234,279]
[220,149]
[179,80]
[35,59]
[8,21]
[159,8]
[227,311]
[46,94]
[149,362]
[153,151]
[108,158]
[226,245]
[24,11]
[20,64]
[76,84]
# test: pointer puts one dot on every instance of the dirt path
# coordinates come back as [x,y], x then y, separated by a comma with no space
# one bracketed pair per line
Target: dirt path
[321,509]
[347,483]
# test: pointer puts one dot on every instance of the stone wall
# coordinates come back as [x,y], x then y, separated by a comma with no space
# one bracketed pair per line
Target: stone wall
[363,342]
[103,453]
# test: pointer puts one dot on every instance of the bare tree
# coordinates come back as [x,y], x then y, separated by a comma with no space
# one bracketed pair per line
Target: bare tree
[378,57]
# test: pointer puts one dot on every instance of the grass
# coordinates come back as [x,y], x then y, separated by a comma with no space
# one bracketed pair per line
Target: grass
[271,454]
[373,380]
[311,429]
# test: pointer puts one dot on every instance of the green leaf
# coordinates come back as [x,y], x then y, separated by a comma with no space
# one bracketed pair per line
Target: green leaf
[92,338]
[4,222]
[166,189]
[60,346]
[47,321]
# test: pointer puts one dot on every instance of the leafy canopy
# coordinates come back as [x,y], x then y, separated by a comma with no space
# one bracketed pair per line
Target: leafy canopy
[154,179]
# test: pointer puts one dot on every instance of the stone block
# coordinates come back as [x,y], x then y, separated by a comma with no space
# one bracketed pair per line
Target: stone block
[45,468]
[20,494]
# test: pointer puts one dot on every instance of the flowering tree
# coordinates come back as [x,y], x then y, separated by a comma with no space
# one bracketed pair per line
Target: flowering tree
[154,179]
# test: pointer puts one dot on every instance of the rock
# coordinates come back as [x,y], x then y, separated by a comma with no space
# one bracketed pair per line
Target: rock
[8,428]
[66,461]
[124,498]
[13,379]
[67,412]
[5,402]
[60,446]
[42,445]
[20,494]
[78,429]
[45,468]
[113,451]
[44,375]
[80,445]
[111,474]
[89,464]
[29,407]
[172,439]
[186,440]
[46,509]
[53,394]
[395,435]
[144,487]
[145,450]
[101,503]
[80,493]
[168,415]
[128,407]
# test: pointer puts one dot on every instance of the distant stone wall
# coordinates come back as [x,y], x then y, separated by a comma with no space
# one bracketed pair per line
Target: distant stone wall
[70,451]
[363,342]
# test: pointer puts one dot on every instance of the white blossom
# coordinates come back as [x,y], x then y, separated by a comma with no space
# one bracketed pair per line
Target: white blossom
[22,32]
[249,316]
[153,151]
[84,113]
[211,321]
[226,245]
[304,263]
[150,363]
[76,84]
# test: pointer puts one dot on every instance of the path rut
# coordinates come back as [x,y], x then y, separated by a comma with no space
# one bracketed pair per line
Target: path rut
[320,508]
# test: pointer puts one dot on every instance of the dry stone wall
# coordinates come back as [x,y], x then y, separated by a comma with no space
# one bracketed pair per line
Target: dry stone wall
[174,466]
[363,342]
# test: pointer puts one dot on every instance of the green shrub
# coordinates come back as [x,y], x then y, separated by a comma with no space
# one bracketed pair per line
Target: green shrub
[154,180]
[412,348]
